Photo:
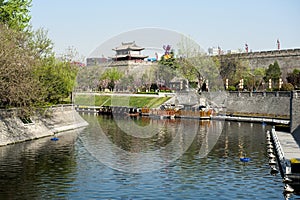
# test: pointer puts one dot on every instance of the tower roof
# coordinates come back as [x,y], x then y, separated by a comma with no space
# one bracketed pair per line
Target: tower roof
[129,46]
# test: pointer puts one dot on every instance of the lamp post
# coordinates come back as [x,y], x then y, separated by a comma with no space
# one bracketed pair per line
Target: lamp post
[241,84]
[226,83]
[280,83]
[270,84]
[253,80]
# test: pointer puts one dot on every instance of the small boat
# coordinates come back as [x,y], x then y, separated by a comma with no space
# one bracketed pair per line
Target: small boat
[244,159]
[133,114]
[270,146]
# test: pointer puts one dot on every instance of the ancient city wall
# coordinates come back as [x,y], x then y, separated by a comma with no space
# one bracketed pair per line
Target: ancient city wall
[287,59]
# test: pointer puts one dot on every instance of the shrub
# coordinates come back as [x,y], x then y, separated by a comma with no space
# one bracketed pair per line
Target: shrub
[231,88]
[287,87]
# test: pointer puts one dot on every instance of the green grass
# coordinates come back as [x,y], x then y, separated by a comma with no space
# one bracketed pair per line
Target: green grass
[91,100]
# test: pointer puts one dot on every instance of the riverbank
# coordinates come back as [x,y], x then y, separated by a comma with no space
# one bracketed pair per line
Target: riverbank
[121,99]
[55,119]
[287,152]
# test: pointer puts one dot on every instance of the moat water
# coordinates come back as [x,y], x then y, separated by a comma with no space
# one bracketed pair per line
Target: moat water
[86,164]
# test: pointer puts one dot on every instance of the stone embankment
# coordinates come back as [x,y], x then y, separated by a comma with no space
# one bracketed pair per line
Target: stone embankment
[281,105]
[56,119]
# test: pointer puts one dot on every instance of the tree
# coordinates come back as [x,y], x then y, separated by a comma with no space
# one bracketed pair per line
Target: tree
[40,44]
[15,13]
[294,78]
[19,86]
[169,61]
[164,74]
[259,74]
[274,73]
[30,75]
[112,75]
[287,87]
[201,69]
[57,79]
[235,69]
[88,78]
[196,66]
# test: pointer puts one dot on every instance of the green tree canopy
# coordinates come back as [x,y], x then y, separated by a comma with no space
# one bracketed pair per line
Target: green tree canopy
[57,79]
[273,72]
[169,61]
[259,74]
[294,78]
[30,75]
[235,69]
[111,76]
[15,13]
[40,44]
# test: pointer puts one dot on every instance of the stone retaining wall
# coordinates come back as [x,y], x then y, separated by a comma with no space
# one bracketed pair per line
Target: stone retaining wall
[269,103]
[283,105]
[295,114]
[56,119]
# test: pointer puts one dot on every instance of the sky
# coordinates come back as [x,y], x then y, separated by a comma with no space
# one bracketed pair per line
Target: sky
[86,24]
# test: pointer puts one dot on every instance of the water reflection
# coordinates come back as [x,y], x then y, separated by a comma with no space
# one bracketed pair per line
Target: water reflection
[117,145]
[66,169]
[28,169]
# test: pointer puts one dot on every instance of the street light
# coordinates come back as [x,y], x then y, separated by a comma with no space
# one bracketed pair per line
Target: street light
[241,85]
[270,84]
[253,80]
[226,83]
[280,83]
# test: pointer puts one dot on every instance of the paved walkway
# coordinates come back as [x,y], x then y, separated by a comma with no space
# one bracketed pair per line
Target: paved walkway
[289,145]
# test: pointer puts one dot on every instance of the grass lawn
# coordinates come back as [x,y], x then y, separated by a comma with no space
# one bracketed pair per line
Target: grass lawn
[130,101]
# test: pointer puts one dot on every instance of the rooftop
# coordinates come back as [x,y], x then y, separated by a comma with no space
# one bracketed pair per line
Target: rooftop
[129,46]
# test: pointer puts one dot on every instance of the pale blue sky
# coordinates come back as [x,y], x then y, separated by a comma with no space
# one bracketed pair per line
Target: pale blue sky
[86,24]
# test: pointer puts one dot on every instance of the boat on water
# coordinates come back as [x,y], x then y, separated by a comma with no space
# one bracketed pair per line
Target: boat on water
[179,111]
[133,114]
[244,159]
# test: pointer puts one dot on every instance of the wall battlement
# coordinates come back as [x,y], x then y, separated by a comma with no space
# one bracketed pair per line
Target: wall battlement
[265,54]
[288,59]
[260,94]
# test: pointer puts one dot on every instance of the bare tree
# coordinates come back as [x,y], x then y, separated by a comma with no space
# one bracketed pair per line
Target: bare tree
[19,86]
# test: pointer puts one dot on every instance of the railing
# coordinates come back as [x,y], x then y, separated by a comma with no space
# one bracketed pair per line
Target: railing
[266,54]
[261,94]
